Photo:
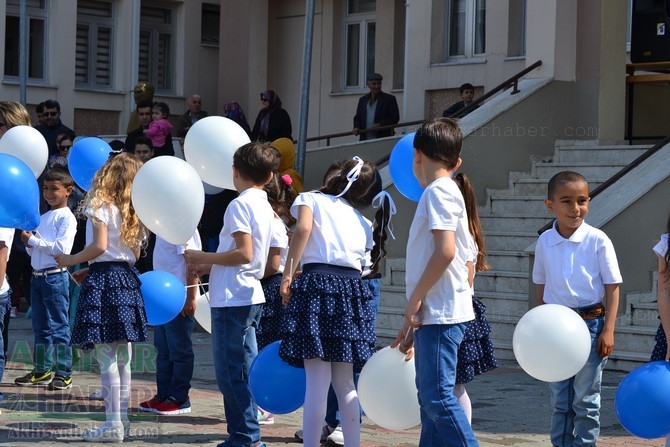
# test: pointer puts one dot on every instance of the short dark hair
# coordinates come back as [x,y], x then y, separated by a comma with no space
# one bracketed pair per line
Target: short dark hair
[40,107]
[440,139]
[563,178]
[143,139]
[67,135]
[254,161]
[466,86]
[51,104]
[163,107]
[144,104]
[59,174]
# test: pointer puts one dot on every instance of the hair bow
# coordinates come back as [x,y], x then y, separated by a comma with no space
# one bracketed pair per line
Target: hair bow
[352,175]
[287,179]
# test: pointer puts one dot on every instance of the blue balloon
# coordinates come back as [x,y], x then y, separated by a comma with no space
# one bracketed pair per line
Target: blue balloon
[164,296]
[642,401]
[400,165]
[20,197]
[275,385]
[86,157]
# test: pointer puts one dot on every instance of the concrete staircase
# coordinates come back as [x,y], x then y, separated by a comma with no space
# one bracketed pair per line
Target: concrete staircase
[511,219]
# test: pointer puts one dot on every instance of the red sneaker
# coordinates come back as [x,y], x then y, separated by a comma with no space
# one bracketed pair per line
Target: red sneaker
[149,406]
[171,406]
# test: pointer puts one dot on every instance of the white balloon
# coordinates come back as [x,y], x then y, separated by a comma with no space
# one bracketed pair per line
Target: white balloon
[387,391]
[27,144]
[209,147]
[551,342]
[168,197]
[203,314]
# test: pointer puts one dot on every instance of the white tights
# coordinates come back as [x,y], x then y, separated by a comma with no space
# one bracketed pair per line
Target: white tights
[114,360]
[320,375]
[463,400]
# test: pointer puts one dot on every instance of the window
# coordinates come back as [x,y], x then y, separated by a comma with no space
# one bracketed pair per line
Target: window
[466,28]
[94,52]
[156,63]
[210,24]
[37,24]
[360,32]
[516,30]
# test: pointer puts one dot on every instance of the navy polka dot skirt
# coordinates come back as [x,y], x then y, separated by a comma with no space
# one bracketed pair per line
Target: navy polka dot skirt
[661,346]
[269,329]
[110,307]
[475,355]
[329,317]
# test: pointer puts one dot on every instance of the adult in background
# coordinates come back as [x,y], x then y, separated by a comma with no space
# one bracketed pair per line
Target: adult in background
[467,98]
[376,109]
[190,117]
[272,121]
[143,91]
[143,112]
[232,110]
[52,126]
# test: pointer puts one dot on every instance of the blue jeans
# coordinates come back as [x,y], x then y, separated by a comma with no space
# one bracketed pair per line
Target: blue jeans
[174,357]
[5,306]
[50,302]
[443,421]
[576,401]
[234,348]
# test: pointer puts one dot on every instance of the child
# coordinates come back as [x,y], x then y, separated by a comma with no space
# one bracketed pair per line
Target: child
[475,355]
[110,312]
[235,292]
[174,348]
[6,238]
[160,129]
[576,266]
[50,285]
[144,148]
[281,196]
[440,300]
[64,143]
[328,324]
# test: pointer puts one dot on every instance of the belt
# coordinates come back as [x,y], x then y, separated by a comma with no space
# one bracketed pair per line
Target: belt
[591,312]
[47,272]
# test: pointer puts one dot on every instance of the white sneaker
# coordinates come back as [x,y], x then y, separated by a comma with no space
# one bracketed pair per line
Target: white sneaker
[336,437]
[13,313]
[325,432]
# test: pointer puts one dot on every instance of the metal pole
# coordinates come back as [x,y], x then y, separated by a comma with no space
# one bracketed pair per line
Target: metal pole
[304,96]
[23,47]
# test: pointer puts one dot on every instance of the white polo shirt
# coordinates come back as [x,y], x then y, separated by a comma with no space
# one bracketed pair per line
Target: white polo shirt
[169,257]
[6,236]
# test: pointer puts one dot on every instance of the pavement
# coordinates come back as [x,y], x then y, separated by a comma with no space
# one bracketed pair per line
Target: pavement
[509,407]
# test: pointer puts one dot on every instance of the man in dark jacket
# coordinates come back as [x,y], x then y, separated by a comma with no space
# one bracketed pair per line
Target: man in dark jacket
[52,126]
[376,109]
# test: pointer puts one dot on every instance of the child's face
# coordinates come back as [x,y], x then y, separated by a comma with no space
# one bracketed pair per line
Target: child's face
[56,194]
[157,114]
[64,147]
[570,205]
[144,152]
[468,96]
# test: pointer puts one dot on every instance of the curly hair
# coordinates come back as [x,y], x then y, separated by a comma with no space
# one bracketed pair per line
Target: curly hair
[14,114]
[112,185]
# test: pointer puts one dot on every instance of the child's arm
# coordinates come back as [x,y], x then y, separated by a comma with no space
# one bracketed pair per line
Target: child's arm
[62,243]
[191,295]
[4,249]
[663,299]
[91,251]
[303,229]
[243,253]
[152,130]
[274,262]
[606,339]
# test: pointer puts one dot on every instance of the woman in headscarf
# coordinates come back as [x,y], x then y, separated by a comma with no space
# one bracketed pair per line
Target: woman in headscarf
[272,121]
[286,151]
[232,110]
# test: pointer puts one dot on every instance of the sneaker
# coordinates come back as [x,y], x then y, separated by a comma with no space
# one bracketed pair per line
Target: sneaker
[171,406]
[336,437]
[60,383]
[13,313]
[34,378]
[149,406]
[104,434]
[325,432]
[264,417]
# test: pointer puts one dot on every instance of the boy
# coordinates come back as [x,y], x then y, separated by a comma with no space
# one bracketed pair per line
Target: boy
[440,301]
[174,348]
[235,293]
[144,148]
[467,97]
[576,266]
[49,286]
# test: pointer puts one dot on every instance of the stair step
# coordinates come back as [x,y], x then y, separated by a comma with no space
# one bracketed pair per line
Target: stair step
[601,154]
[501,281]
[509,240]
[513,222]
[507,205]
[588,170]
[635,338]
[504,307]
[507,260]
[645,314]
[393,296]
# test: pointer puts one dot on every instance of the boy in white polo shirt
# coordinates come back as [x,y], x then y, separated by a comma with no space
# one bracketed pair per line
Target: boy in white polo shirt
[576,266]
[49,286]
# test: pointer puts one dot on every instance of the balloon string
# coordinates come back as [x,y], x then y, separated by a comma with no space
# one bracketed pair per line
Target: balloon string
[200,284]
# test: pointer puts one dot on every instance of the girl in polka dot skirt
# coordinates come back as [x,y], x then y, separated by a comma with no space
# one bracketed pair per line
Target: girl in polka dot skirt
[475,355]
[110,313]
[327,324]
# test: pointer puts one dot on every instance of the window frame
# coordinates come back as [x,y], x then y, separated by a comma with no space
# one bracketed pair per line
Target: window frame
[469,33]
[156,31]
[94,24]
[34,13]
[365,56]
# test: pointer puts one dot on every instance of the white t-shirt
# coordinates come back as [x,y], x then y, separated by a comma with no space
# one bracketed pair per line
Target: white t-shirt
[239,285]
[661,248]
[441,207]
[54,236]
[169,257]
[6,236]
[110,215]
[340,235]
[280,240]
[574,271]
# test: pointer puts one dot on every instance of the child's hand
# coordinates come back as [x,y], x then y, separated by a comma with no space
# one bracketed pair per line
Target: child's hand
[605,343]
[25,235]
[65,260]
[285,290]
[80,275]
[411,311]
[405,342]
[188,309]
[193,256]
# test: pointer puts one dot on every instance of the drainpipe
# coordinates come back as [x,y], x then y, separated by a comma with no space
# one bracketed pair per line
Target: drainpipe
[23,37]
[304,94]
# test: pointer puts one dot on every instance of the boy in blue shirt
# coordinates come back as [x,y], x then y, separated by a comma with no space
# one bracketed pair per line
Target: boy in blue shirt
[235,293]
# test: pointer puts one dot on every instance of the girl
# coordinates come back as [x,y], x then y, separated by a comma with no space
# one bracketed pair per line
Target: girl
[160,129]
[64,144]
[281,196]
[327,323]
[475,355]
[110,312]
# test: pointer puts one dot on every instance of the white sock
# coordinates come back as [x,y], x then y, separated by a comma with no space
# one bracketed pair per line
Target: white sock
[463,400]
[106,354]
[125,353]
[317,374]
[347,401]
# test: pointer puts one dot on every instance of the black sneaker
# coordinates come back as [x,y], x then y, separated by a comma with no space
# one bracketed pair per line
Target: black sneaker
[34,378]
[60,383]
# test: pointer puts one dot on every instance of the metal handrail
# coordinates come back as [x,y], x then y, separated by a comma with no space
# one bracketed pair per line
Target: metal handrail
[625,170]
[511,82]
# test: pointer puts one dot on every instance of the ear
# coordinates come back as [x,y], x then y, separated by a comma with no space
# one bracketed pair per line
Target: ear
[68,190]
[549,204]
[417,156]
[269,179]
[458,164]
